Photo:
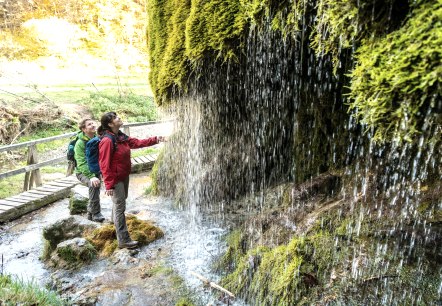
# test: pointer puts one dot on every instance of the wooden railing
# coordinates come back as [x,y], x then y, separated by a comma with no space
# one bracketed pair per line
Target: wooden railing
[32,168]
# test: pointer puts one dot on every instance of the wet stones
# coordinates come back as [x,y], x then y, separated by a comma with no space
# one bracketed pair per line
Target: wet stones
[65,229]
[73,253]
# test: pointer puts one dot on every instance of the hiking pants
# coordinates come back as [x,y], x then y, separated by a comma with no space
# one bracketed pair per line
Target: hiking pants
[94,195]
[119,206]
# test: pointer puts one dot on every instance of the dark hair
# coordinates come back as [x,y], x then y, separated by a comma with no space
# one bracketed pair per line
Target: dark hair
[105,120]
[82,123]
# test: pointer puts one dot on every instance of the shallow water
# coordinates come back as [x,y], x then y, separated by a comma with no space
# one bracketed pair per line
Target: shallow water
[191,244]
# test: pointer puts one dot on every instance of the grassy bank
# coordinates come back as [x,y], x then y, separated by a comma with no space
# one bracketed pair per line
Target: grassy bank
[14,291]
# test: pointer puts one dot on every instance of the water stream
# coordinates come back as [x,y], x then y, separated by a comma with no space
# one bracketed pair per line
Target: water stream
[190,244]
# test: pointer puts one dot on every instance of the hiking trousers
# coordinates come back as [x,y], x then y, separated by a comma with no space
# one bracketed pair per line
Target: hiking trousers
[119,207]
[94,195]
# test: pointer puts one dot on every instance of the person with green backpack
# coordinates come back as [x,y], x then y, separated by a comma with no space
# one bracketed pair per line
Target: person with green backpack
[88,131]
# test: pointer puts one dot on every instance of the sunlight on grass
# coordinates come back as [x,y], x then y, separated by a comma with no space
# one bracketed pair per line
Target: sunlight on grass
[15,291]
[144,151]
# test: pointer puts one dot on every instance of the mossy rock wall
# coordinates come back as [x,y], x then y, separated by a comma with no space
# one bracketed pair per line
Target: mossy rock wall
[285,91]
[269,93]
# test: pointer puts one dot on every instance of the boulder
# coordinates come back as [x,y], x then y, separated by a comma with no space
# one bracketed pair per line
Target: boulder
[78,200]
[65,229]
[73,253]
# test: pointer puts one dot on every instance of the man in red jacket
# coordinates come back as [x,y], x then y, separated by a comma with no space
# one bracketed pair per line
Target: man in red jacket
[115,168]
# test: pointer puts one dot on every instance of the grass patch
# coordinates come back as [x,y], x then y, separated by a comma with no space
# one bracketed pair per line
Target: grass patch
[14,185]
[11,185]
[130,106]
[14,291]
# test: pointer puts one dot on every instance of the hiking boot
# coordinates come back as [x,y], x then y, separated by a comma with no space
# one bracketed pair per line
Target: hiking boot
[128,245]
[89,216]
[97,217]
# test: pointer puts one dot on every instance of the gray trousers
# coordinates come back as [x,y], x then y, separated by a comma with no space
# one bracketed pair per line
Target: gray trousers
[94,195]
[119,207]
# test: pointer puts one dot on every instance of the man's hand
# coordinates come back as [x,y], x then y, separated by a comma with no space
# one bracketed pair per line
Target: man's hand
[109,192]
[161,138]
[95,182]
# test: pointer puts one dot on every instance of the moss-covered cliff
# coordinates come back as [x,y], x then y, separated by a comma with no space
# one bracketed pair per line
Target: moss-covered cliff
[273,94]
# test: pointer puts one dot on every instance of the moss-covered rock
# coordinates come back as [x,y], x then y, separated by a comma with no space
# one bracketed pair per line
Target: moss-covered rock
[396,84]
[65,229]
[73,253]
[340,253]
[104,239]
[77,203]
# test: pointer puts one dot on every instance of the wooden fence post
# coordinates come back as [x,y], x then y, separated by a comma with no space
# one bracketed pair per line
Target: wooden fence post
[32,176]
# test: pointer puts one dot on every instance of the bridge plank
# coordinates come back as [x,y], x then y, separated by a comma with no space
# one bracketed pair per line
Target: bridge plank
[69,179]
[8,203]
[49,188]
[33,195]
[58,184]
[13,199]
[45,193]
[144,159]
[23,198]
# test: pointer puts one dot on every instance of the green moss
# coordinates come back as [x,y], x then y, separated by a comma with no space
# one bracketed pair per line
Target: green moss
[397,77]
[143,231]
[337,27]
[77,256]
[214,26]
[280,276]
[180,33]
[104,238]
[184,302]
[153,188]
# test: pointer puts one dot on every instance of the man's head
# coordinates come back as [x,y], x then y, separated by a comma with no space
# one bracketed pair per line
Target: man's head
[88,127]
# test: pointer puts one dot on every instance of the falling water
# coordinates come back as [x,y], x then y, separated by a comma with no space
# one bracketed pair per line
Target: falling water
[276,123]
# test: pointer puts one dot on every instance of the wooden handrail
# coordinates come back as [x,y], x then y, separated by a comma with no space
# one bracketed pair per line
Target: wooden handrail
[33,142]
[67,135]
[33,165]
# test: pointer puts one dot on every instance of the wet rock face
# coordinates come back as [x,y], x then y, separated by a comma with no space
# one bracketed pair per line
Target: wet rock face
[343,248]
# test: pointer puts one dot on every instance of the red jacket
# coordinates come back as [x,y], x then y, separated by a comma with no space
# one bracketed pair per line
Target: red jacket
[115,165]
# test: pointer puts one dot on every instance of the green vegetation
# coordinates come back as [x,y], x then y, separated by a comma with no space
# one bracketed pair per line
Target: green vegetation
[77,256]
[145,151]
[397,73]
[314,269]
[104,239]
[204,26]
[131,107]
[396,81]
[11,185]
[14,291]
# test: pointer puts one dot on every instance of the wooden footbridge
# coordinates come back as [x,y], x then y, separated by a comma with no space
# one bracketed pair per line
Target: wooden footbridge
[36,194]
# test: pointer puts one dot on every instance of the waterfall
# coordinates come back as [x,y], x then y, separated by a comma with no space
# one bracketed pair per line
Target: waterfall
[337,204]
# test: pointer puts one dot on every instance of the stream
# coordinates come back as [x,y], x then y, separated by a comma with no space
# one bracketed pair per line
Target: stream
[189,245]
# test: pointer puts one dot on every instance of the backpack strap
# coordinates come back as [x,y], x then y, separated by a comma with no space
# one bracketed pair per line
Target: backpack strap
[111,137]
